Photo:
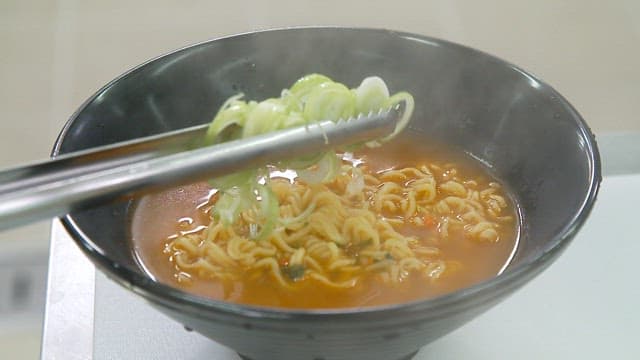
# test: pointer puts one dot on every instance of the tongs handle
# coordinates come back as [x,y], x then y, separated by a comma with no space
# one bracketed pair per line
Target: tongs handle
[80,180]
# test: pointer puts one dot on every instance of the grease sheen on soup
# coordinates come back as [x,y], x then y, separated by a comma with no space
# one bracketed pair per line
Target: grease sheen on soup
[428,221]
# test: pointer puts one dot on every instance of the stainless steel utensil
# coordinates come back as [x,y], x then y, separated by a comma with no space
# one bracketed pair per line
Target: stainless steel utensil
[82,179]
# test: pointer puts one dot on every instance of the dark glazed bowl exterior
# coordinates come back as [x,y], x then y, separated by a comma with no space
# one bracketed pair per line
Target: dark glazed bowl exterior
[525,131]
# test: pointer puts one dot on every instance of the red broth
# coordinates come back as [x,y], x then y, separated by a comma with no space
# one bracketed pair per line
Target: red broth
[160,215]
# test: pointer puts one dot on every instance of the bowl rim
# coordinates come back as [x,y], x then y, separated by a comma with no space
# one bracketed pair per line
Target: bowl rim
[170,296]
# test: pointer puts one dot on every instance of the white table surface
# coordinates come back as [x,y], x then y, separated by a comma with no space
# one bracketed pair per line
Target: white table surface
[585,306]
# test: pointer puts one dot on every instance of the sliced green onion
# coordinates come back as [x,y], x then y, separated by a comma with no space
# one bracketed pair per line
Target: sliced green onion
[406,116]
[266,116]
[303,162]
[307,84]
[325,170]
[231,203]
[269,210]
[371,95]
[232,113]
[404,120]
[329,101]
[241,178]
[312,98]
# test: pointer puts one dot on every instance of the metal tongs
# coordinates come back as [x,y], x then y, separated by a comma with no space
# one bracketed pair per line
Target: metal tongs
[87,178]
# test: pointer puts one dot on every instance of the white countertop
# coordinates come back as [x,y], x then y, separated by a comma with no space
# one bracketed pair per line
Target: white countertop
[586,305]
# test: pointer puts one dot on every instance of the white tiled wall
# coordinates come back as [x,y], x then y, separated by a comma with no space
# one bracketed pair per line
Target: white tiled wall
[55,54]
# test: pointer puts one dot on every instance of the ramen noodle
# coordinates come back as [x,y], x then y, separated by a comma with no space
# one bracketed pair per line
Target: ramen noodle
[390,227]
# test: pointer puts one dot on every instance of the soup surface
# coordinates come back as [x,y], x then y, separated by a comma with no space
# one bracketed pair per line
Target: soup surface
[397,224]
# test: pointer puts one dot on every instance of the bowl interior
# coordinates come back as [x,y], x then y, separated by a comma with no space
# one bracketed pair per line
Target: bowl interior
[527,133]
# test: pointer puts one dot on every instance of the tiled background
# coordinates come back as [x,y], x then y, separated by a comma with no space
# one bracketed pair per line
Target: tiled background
[55,54]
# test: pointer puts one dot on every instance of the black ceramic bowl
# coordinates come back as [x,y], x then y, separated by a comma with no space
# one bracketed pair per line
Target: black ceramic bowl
[529,135]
